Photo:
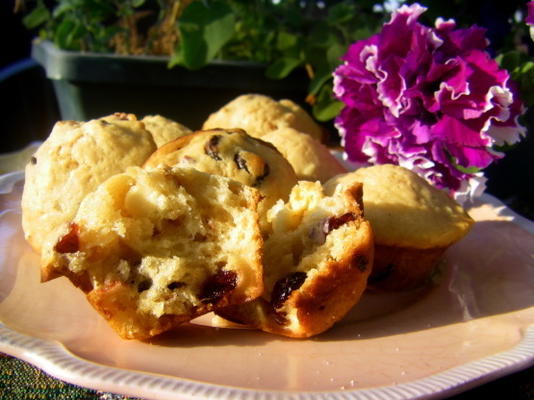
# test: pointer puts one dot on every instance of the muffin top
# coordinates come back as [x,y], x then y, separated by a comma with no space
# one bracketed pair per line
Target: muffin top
[311,160]
[405,210]
[163,129]
[72,162]
[258,114]
[233,154]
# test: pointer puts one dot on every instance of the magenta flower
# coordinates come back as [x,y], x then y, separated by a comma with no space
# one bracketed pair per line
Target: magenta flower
[530,18]
[530,13]
[429,99]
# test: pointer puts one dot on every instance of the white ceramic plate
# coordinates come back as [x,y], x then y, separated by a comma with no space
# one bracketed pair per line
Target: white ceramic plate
[475,325]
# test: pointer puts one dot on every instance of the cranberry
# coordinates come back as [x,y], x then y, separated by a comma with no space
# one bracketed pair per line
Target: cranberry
[217,286]
[211,147]
[260,178]
[175,285]
[70,242]
[335,222]
[144,285]
[241,162]
[360,262]
[285,286]
[279,317]
[319,231]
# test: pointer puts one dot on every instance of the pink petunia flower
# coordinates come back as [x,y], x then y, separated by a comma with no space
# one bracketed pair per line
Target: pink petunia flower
[529,20]
[530,13]
[429,99]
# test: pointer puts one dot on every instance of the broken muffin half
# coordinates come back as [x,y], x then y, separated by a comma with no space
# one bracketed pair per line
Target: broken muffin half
[155,248]
[316,263]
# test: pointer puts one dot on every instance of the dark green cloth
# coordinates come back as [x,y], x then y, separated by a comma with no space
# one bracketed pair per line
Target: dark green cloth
[518,386]
[21,381]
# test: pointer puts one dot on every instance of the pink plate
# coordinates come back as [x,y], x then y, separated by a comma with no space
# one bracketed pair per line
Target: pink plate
[474,325]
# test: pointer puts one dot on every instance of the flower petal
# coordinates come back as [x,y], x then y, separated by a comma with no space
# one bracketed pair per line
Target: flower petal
[429,99]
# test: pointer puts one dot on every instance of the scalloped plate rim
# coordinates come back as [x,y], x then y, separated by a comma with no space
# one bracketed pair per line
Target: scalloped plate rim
[56,360]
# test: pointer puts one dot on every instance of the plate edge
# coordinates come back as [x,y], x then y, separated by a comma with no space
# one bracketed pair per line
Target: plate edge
[53,358]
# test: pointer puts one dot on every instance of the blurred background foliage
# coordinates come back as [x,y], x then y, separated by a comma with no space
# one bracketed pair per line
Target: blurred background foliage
[283,34]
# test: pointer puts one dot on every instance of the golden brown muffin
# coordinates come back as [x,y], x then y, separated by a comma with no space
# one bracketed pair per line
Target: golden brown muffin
[163,129]
[311,160]
[72,162]
[413,222]
[236,155]
[258,114]
[153,249]
[316,263]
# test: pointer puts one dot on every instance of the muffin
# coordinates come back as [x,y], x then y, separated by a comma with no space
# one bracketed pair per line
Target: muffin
[316,263]
[163,129]
[153,249]
[72,162]
[258,114]
[413,222]
[236,155]
[311,160]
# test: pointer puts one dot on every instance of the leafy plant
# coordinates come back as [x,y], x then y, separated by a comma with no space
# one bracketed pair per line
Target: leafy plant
[285,34]
[204,29]
[120,26]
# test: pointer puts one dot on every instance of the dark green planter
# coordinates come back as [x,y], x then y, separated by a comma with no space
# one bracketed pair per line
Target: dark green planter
[90,85]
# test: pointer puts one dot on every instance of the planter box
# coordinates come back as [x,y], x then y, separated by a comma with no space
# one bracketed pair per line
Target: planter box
[90,85]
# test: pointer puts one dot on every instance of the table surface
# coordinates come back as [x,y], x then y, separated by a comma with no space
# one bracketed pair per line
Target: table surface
[20,380]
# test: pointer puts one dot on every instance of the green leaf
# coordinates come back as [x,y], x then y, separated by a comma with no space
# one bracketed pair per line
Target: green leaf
[322,35]
[326,107]
[327,110]
[176,57]
[461,168]
[137,3]
[318,81]
[64,7]
[467,170]
[205,27]
[524,77]
[36,17]
[62,37]
[286,41]
[101,37]
[334,54]
[527,67]
[282,67]
[359,33]
[521,69]
[341,13]
[509,60]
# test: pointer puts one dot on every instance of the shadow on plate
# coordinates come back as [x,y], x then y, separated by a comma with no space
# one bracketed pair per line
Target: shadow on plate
[191,335]
[490,272]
